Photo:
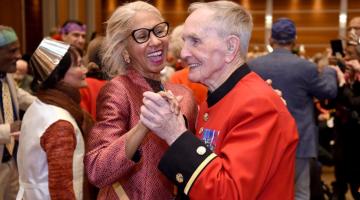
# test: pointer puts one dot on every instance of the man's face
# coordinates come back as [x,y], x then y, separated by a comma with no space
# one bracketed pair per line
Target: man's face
[355,24]
[9,54]
[203,50]
[21,70]
[75,38]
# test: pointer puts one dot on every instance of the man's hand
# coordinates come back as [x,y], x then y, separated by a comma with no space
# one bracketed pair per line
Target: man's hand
[173,100]
[157,115]
[15,126]
[278,92]
[354,64]
[16,135]
[340,75]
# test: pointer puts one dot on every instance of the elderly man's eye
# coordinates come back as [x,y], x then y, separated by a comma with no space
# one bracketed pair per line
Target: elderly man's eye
[195,41]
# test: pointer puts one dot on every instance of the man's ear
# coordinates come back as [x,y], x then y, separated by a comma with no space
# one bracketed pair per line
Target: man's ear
[232,47]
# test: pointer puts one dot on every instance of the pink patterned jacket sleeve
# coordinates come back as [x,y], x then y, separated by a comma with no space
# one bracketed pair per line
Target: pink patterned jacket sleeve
[106,162]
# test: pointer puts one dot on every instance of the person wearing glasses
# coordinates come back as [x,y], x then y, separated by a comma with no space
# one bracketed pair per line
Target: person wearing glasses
[245,140]
[122,154]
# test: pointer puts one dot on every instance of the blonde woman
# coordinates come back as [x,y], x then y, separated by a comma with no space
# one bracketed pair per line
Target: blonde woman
[123,155]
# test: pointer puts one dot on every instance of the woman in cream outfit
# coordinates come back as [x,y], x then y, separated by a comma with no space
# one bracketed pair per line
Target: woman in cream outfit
[51,148]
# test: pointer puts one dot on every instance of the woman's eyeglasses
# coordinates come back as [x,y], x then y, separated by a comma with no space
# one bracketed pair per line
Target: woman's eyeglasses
[143,34]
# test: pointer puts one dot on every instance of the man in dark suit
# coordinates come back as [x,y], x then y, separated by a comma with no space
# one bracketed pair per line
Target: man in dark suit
[299,81]
[11,100]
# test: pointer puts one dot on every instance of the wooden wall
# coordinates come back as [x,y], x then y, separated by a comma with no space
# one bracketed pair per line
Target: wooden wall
[33,25]
[317,20]
[9,17]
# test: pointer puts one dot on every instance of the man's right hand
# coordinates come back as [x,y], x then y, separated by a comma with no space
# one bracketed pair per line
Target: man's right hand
[16,135]
[277,91]
[354,64]
[156,114]
[15,126]
[340,75]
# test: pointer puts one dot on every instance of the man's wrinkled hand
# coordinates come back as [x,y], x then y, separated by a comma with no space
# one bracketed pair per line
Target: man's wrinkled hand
[16,135]
[156,114]
[354,64]
[339,74]
[173,100]
[15,126]
[278,92]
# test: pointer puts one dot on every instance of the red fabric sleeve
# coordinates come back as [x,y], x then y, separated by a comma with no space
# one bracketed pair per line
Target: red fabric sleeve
[59,143]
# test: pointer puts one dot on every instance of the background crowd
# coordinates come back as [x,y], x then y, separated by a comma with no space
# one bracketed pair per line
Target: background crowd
[93,119]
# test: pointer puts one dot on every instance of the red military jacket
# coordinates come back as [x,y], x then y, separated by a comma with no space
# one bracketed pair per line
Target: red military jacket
[244,146]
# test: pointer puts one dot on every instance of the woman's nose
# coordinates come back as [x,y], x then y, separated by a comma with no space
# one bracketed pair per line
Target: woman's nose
[153,39]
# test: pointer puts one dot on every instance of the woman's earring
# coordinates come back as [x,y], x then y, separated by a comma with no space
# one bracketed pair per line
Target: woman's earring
[126,57]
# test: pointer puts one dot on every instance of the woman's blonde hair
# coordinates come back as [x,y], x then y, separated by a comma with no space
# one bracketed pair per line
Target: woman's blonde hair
[117,31]
[176,42]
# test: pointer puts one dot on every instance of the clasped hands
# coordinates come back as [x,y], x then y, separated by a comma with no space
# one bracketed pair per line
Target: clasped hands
[162,115]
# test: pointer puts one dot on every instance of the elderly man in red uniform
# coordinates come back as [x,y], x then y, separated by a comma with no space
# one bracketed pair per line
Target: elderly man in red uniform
[245,140]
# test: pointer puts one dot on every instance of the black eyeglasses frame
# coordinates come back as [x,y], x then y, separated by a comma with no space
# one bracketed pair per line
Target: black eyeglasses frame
[149,31]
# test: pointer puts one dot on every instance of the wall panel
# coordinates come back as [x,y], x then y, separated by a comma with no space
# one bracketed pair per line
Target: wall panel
[82,11]
[34,31]
[317,20]
[62,11]
[9,18]
[354,9]
[99,22]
